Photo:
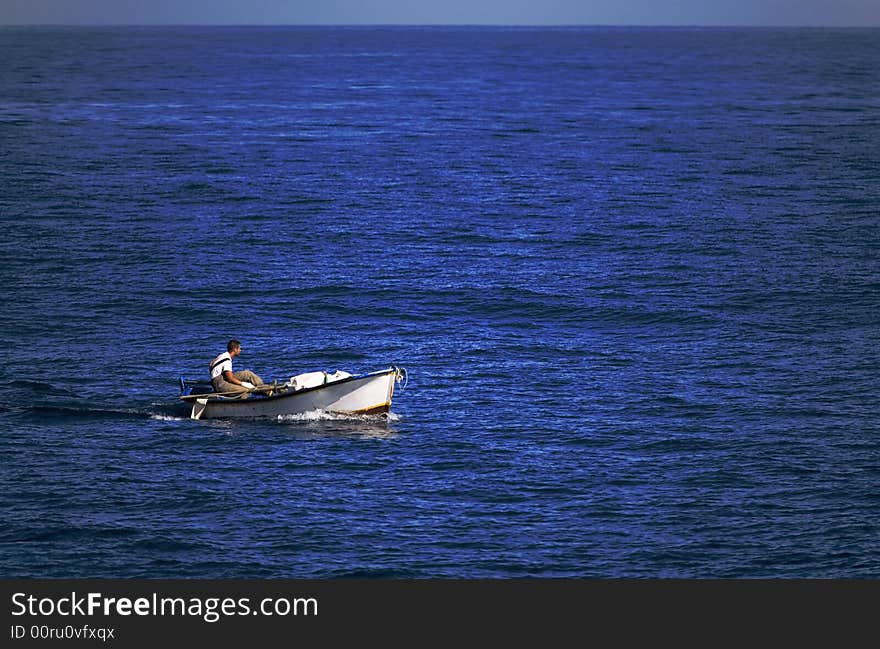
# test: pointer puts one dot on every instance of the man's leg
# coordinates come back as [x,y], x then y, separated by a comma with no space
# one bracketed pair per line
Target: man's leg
[250,377]
[230,389]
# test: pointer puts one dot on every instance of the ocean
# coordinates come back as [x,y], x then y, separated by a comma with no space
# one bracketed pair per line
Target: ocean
[632,274]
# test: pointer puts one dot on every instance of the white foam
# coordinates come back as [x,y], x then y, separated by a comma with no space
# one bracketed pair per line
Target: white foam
[323,415]
[168,418]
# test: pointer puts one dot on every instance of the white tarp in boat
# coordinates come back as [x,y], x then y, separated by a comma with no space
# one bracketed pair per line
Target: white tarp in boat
[314,379]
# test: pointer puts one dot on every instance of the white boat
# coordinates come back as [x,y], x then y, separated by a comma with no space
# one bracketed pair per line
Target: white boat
[336,392]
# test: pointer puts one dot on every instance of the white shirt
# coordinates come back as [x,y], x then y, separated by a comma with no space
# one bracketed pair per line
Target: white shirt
[220,364]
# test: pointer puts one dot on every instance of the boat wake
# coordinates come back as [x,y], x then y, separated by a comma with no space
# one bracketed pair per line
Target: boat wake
[42,388]
[83,412]
[48,412]
[160,412]
[161,417]
[323,415]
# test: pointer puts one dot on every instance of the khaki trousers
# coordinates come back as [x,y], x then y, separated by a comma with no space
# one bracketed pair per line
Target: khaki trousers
[236,391]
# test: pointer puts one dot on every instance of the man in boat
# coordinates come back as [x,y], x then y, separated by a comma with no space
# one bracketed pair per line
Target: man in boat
[238,384]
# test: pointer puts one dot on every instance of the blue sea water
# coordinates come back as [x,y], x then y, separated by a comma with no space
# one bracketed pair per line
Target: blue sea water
[632,273]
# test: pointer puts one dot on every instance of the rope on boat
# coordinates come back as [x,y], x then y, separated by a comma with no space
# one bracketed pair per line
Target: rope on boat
[401,375]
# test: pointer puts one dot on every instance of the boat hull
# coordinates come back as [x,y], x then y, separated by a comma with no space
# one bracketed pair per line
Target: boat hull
[366,394]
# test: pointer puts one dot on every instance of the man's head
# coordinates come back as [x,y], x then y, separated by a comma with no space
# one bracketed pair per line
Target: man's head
[233,347]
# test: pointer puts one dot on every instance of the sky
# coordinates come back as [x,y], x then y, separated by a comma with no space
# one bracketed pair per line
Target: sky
[832,13]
